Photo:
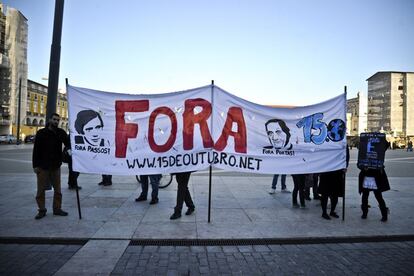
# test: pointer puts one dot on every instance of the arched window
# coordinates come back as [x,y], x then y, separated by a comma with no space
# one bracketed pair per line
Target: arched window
[28,122]
[35,122]
[41,122]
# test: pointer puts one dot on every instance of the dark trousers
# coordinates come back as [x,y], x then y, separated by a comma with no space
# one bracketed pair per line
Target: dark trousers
[324,203]
[298,186]
[183,194]
[314,187]
[155,182]
[107,178]
[73,176]
[378,196]
[44,177]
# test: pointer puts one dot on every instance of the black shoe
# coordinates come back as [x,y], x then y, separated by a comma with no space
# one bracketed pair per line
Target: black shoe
[107,184]
[154,201]
[325,216]
[74,188]
[60,212]
[317,197]
[175,216]
[189,211]
[140,198]
[333,214]
[40,215]
[308,198]
[100,183]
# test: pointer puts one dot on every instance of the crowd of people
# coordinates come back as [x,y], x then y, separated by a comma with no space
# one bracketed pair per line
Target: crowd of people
[48,157]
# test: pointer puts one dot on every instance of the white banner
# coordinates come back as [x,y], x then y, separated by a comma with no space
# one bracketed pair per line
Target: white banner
[123,134]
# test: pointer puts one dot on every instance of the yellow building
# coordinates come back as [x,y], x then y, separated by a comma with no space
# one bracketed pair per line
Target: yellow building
[36,109]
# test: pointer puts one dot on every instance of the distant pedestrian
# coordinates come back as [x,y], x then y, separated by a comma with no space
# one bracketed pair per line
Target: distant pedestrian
[155,182]
[410,146]
[282,181]
[183,195]
[106,180]
[47,160]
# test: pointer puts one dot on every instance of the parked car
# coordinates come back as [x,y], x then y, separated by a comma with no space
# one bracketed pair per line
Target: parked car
[8,139]
[29,138]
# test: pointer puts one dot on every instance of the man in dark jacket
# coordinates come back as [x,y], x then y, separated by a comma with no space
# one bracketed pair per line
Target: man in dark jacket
[47,159]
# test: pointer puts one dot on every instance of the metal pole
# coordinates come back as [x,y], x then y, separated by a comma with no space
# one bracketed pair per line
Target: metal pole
[18,111]
[344,175]
[210,169]
[54,60]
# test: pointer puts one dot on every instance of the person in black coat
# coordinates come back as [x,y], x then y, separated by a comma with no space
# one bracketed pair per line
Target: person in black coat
[47,160]
[375,180]
[331,185]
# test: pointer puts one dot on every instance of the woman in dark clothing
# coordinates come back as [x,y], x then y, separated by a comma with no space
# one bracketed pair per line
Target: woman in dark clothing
[375,180]
[331,185]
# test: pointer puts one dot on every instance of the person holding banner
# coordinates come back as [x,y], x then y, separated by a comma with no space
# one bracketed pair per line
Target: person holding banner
[331,185]
[155,182]
[183,195]
[47,160]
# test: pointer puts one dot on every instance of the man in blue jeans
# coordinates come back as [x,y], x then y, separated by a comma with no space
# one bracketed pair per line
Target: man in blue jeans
[155,182]
[274,182]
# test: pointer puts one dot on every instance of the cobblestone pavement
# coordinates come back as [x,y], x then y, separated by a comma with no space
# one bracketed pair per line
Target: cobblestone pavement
[385,258]
[380,258]
[34,259]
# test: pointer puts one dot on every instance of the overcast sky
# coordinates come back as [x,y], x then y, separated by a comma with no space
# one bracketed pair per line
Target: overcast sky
[268,52]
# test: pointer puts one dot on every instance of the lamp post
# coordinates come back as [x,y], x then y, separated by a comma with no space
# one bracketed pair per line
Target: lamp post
[54,59]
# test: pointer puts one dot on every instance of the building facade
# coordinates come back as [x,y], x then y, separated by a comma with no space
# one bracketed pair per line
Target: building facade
[356,117]
[13,68]
[36,108]
[391,105]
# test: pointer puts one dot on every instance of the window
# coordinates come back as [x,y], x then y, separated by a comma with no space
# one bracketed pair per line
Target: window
[400,87]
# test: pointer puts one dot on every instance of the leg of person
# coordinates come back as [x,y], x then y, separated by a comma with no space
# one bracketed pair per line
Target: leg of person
[187,198]
[274,183]
[155,182]
[306,191]
[382,205]
[42,178]
[364,204]
[315,186]
[334,202]
[302,193]
[324,204]
[57,193]
[144,187]
[107,179]
[73,178]
[295,191]
[182,186]
[283,183]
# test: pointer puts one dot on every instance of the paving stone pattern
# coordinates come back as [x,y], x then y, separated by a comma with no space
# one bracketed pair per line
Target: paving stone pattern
[34,259]
[385,258]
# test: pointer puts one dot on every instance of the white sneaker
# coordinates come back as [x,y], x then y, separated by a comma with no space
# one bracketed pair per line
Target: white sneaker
[272,191]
